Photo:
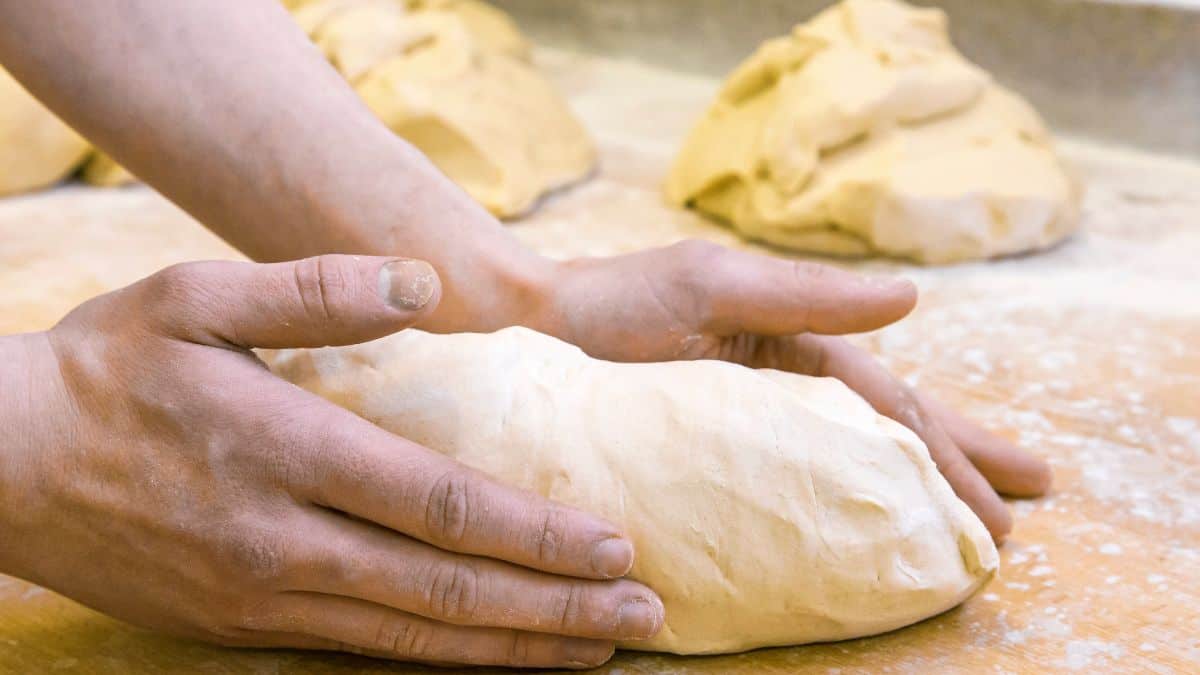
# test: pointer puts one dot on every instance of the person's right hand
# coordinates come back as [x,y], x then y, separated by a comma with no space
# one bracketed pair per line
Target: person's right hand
[161,474]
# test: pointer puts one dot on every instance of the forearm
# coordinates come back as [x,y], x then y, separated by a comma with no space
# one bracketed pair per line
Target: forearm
[227,109]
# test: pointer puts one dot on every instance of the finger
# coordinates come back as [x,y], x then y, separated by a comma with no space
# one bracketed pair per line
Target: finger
[277,640]
[355,559]
[890,397]
[326,300]
[1010,470]
[265,639]
[748,293]
[383,631]
[252,639]
[357,468]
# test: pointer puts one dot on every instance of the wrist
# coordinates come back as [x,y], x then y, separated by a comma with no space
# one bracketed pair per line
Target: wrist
[496,291]
[404,206]
[25,415]
[553,312]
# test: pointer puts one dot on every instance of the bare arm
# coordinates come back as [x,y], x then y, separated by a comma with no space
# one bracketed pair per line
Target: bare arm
[226,108]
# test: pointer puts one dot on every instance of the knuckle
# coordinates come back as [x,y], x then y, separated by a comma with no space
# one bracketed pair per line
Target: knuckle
[697,251]
[520,647]
[258,557]
[322,284]
[909,411]
[700,270]
[189,299]
[403,637]
[550,535]
[568,606]
[448,508]
[252,612]
[299,466]
[696,260]
[181,283]
[453,592]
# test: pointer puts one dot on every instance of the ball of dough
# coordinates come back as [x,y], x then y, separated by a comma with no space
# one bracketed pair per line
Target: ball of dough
[452,78]
[765,508]
[36,148]
[866,132]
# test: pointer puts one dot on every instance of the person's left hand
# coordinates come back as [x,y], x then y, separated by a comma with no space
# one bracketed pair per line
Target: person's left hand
[697,300]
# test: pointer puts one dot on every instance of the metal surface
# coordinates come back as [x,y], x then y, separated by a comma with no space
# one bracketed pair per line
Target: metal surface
[1125,73]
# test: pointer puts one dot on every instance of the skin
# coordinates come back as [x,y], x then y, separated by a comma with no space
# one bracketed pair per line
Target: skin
[210,499]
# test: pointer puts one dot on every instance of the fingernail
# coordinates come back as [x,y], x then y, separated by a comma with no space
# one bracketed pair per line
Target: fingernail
[612,557]
[590,655]
[407,284]
[639,618]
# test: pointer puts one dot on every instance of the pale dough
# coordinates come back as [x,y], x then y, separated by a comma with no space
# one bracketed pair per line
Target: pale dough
[866,132]
[36,148]
[453,78]
[766,508]
[103,171]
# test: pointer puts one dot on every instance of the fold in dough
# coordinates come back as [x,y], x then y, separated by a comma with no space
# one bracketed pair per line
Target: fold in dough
[865,132]
[765,508]
[453,78]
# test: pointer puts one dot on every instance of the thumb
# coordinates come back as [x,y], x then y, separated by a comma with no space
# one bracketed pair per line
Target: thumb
[314,302]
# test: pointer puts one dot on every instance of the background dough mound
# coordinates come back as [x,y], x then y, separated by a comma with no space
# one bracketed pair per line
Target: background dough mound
[866,132]
[453,78]
[766,508]
[36,149]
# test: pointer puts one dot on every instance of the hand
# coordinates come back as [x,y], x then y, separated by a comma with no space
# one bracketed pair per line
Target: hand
[696,300]
[161,474]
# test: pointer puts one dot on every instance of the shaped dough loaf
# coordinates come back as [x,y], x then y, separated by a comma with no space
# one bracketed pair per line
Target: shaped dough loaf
[36,148]
[865,132]
[766,508]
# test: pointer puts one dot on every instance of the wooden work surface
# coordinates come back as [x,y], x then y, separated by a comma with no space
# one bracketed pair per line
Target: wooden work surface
[1088,355]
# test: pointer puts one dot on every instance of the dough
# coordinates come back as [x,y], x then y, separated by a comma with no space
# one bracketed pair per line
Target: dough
[487,24]
[865,132]
[103,171]
[766,508]
[453,78]
[36,149]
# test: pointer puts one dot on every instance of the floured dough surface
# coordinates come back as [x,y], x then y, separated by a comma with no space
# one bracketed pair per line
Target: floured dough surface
[866,132]
[766,508]
[453,77]
[36,148]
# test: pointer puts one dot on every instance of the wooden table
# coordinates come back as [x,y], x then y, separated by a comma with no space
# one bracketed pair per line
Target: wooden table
[1088,354]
